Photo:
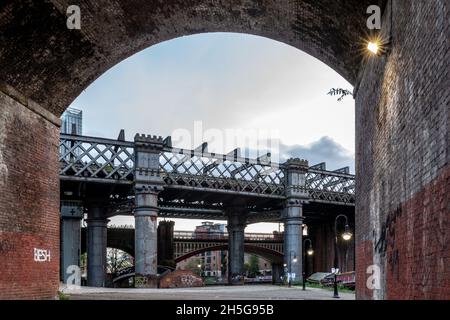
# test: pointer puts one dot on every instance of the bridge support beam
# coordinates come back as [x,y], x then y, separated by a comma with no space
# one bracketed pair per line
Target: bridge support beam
[96,249]
[296,196]
[71,215]
[236,236]
[148,183]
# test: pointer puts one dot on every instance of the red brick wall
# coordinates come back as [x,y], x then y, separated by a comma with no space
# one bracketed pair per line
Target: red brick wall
[418,251]
[29,202]
[402,157]
[364,258]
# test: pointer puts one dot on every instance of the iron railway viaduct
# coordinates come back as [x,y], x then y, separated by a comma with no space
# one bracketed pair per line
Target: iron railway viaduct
[149,178]
[401,115]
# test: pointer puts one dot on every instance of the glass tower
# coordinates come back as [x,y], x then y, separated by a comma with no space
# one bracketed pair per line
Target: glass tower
[72,121]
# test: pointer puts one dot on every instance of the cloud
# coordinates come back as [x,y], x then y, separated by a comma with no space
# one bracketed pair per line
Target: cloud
[324,150]
[225,80]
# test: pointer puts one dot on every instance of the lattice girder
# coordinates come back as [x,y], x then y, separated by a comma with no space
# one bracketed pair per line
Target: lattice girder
[109,159]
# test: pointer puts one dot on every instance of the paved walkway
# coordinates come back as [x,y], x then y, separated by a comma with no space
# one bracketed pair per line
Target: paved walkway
[249,292]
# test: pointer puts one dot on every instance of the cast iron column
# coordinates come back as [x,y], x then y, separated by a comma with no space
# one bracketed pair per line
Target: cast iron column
[96,249]
[296,196]
[71,215]
[148,184]
[277,271]
[236,233]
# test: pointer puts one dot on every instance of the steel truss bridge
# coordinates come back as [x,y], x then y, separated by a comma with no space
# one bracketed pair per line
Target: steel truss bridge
[197,183]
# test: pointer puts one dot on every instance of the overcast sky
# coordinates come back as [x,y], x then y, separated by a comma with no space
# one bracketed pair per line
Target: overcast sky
[230,86]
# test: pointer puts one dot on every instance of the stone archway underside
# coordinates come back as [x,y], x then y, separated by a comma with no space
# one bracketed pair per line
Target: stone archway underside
[401,119]
[51,64]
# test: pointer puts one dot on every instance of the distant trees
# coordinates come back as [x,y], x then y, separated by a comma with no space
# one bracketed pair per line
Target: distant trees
[252,266]
[193,265]
[117,260]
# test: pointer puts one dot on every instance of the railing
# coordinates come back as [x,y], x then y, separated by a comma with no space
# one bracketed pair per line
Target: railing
[101,159]
[196,235]
[329,186]
[96,158]
[203,170]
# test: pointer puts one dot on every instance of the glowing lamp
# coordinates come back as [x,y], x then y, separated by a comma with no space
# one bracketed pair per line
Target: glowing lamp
[347,235]
[373,47]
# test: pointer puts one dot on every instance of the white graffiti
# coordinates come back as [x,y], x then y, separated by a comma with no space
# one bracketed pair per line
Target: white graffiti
[41,255]
[374,21]
[74,279]
[188,280]
[374,281]
[73,17]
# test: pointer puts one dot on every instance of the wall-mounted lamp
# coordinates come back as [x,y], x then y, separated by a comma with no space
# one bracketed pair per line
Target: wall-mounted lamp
[378,46]
[373,47]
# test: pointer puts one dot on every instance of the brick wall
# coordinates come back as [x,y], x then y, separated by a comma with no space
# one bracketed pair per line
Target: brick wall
[402,113]
[29,201]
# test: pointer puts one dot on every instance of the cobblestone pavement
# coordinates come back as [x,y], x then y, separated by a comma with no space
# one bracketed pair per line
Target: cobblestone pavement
[251,292]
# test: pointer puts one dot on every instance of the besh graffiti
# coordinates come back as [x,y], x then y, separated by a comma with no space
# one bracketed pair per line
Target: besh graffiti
[41,255]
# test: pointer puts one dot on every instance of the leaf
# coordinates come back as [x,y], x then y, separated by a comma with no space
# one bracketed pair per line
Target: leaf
[339,91]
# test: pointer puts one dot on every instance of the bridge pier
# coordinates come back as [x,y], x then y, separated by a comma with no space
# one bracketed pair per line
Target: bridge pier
[71,215]
[296,196]
[148,184]
[166,255]
[236,236]
[277,271]
[146,236]
[96,248]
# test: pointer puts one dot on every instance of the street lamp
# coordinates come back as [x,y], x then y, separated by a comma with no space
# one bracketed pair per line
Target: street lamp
[199,266]
[347,235]
[291,260]
[308,252]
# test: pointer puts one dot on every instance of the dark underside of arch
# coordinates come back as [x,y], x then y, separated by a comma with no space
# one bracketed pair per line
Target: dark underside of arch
[45,61]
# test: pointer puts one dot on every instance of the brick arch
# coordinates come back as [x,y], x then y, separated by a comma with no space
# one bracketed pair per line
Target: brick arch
[51,64]
[122,239]
[401,133]
[44,66]
[271,255]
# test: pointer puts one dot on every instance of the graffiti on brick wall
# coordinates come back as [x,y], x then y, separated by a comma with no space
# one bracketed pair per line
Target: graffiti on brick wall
[386,244]
[181,279]
[188,280]
[6,246]
[140,281]
[41,255]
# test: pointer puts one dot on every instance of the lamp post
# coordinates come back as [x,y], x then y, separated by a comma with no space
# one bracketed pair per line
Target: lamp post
[291,260]
[347,235]
[307,253]
[199,266]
